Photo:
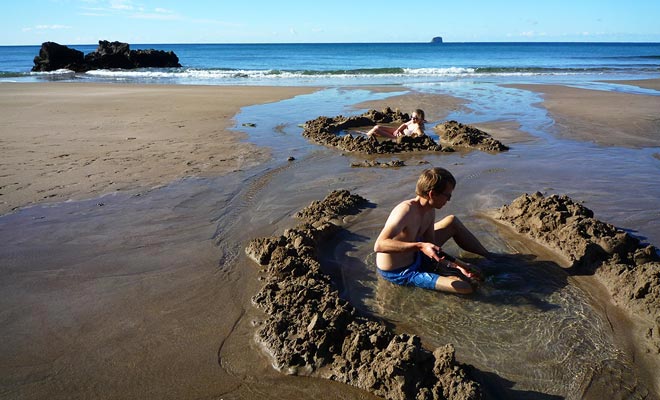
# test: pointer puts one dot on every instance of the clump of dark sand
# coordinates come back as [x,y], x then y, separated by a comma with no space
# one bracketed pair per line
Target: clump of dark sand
[310,330]
[326,131]
[460,135]
[375,163]
[626,267]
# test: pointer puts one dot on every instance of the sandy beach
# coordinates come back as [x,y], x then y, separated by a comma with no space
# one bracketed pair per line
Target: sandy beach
[73,141]
[147,293]
[606,118]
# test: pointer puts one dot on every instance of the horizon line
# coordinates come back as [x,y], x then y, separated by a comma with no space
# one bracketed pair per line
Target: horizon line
[312,43]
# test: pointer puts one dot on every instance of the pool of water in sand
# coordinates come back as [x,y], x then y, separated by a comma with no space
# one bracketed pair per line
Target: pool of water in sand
[541,331]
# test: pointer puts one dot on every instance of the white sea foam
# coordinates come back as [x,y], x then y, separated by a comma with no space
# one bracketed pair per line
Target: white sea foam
[205,74]
[62,71]
[451,71]
[289,77]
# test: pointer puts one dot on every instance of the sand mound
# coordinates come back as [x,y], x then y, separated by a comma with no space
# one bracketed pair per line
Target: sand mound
[326,131]
[627,268]
[310,330]
[460,135]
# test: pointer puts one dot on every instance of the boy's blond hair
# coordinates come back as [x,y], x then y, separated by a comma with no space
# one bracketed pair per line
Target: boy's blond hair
[435,179]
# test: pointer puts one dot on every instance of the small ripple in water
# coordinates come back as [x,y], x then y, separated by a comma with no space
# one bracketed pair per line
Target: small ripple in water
[528,323]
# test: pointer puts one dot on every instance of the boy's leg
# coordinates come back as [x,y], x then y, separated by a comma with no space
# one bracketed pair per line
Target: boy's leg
[453,284]
[451,227]
[383,131]
[447,279]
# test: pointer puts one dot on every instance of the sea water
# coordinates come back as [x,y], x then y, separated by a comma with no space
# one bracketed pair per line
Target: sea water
[361,63]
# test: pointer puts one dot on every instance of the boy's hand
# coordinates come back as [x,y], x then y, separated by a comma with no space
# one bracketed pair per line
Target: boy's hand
[431,251]
[470,271]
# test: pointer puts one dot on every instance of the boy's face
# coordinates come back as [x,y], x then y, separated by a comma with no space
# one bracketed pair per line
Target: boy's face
[440,198]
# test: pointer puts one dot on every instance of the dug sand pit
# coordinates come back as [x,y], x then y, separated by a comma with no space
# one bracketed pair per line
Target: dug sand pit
[309,330]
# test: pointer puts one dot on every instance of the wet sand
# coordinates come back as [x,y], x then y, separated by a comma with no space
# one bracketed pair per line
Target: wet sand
[605,118]
[124,296]
[435,107]
[643,83]
[147,293]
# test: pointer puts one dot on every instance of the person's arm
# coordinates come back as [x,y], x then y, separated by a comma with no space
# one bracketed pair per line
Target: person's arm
[466,269]
[399,131]
[388,242]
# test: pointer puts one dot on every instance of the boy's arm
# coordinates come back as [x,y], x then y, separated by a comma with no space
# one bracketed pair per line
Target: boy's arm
[466,269]
[387,241]
[399,131]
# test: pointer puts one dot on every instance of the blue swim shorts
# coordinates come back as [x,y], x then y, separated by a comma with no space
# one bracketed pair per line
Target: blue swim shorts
[411,275]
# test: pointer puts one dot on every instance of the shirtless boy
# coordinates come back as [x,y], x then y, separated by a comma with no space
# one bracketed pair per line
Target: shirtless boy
[411,234]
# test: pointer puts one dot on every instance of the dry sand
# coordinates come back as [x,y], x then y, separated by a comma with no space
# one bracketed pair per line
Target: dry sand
[75,141]
[606,118]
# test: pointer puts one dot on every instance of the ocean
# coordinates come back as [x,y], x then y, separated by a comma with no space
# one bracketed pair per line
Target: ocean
[363,63]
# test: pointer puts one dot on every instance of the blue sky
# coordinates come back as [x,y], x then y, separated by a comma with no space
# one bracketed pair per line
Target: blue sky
[272,21]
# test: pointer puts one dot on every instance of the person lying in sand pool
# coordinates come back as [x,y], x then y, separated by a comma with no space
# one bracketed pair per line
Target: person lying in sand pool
[414,127]
[408,248]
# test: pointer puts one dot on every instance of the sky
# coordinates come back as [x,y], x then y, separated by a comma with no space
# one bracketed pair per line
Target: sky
[71,22]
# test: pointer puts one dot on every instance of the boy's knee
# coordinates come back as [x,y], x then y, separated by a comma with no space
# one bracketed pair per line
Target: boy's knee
[447,222]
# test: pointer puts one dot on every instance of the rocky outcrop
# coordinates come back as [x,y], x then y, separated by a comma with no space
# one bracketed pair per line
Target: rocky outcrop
[629,269]
[460,135]
[327,131]
[437,39]
[53,56]
[310,330]
[108,55]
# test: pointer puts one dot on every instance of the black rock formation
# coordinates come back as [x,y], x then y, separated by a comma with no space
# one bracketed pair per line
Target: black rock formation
[109,55]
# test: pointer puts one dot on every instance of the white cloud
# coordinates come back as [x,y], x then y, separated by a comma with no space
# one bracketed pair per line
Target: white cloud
[133,10]
[45,28]
[156,16]
[121,5]
[128,9]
